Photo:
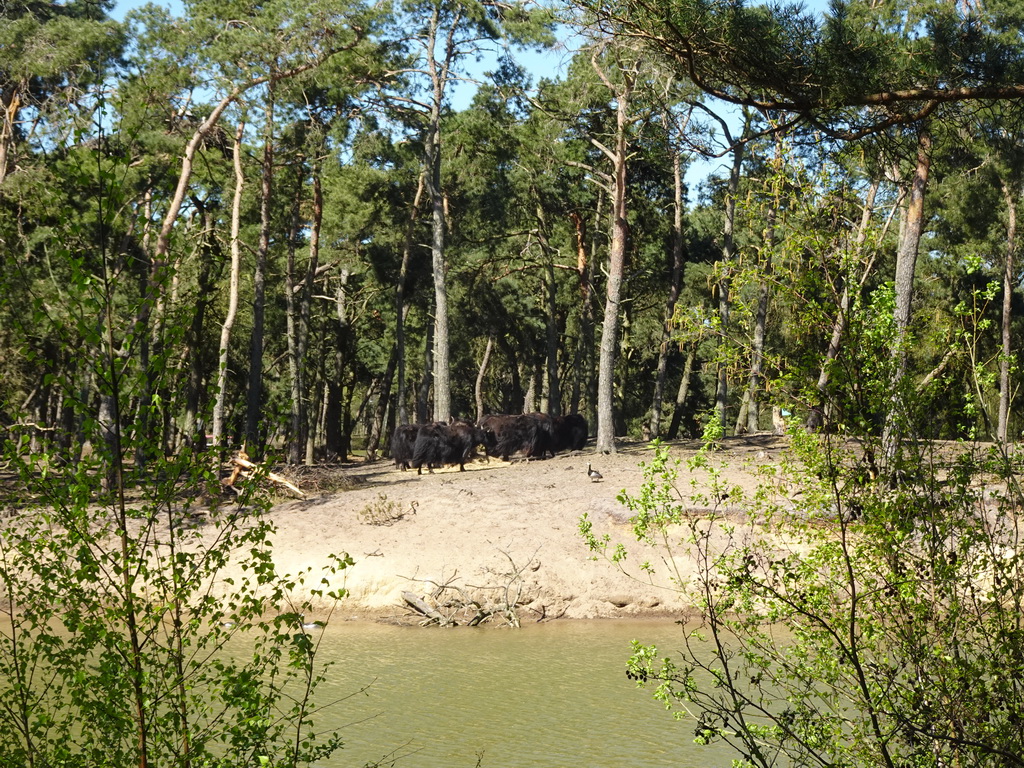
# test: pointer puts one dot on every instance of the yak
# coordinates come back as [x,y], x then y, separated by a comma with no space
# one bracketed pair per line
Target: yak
[526,434]
[440,444]
[402,443]
[570,433]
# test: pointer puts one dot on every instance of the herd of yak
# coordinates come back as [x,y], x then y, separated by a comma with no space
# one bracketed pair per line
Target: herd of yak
[530,435]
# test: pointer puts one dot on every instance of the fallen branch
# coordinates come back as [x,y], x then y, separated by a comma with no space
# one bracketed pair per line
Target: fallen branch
[419,605]
[243,463]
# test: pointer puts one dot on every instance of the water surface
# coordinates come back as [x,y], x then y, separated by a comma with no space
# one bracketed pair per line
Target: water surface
[547,696]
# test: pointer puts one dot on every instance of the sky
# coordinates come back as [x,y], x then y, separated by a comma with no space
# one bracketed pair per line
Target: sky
[539,64]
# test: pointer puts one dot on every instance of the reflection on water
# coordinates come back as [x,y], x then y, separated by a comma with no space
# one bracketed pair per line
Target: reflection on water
[551,695]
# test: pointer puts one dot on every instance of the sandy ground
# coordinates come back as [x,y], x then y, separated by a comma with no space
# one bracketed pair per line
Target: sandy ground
[497,533]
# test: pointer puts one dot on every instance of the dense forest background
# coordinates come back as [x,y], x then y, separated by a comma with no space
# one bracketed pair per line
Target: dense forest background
[271,217]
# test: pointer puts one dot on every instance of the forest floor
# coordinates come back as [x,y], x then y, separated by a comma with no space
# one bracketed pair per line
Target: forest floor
[503,532]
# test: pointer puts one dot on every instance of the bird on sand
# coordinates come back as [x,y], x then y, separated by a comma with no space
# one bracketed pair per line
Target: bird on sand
[593,474]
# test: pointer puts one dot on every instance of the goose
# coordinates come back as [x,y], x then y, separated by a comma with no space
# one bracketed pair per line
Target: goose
[593,474]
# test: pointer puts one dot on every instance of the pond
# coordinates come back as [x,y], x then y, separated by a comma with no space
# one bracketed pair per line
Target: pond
[549,695]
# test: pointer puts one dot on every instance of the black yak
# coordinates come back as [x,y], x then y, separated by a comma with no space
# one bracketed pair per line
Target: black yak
[402,442]
[570,433]
[527,434]
[441,444]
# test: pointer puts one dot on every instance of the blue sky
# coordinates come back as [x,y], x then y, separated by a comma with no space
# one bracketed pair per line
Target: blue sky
[539,64]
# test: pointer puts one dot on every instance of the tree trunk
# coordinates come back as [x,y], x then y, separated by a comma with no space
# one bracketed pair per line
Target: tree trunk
[906,263]
[254,399]
[432,166]
[10,105]
[305,308]
[757,358]
[576,391]
[675,280]
[293,332]
[209,253]
[530,398]
[229,318]
[513,400]
[423,394]
[380,411]
[583,385]
[478,389]
[767,255]
[401,307]
[334,416]
[728,256]
[616,270]
[1008,283]
[681,394]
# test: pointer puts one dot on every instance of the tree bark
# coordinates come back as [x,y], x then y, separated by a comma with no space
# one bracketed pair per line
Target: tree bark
[1010,196]
[478,389]
[753,410]
[334,410]
[724,283]
[401,307]
[439,73]
[229,318]
[209,255]
[293,333]
[305,309]
[681,394]
[675,281]
[616,270]
[906,264]
[10,105]
[423,394]
[254,398]
[380,410]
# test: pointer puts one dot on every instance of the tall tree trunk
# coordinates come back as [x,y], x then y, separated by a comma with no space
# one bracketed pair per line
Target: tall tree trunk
[315,410]
[757,358]
[334,410]
[439,73]
[906,264]
[554,389]
[681,394]
[616,270]
[530,398]
[305,309]
[1010,196]
[513,400]
[552,386]
[254,399]
[401,307]
[298,295]
[380,410]
[423,394]
[10,105]
[675,281]
[478,389]
[583,385]
[229,319]
[293,332]
[753,410]
[724,283]
[209,251]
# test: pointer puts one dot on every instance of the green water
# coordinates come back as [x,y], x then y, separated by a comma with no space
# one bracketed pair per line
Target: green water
[546,696]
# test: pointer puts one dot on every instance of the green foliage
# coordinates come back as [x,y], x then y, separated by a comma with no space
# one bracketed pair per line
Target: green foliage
[140,625]
[150,617]
[849,624]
